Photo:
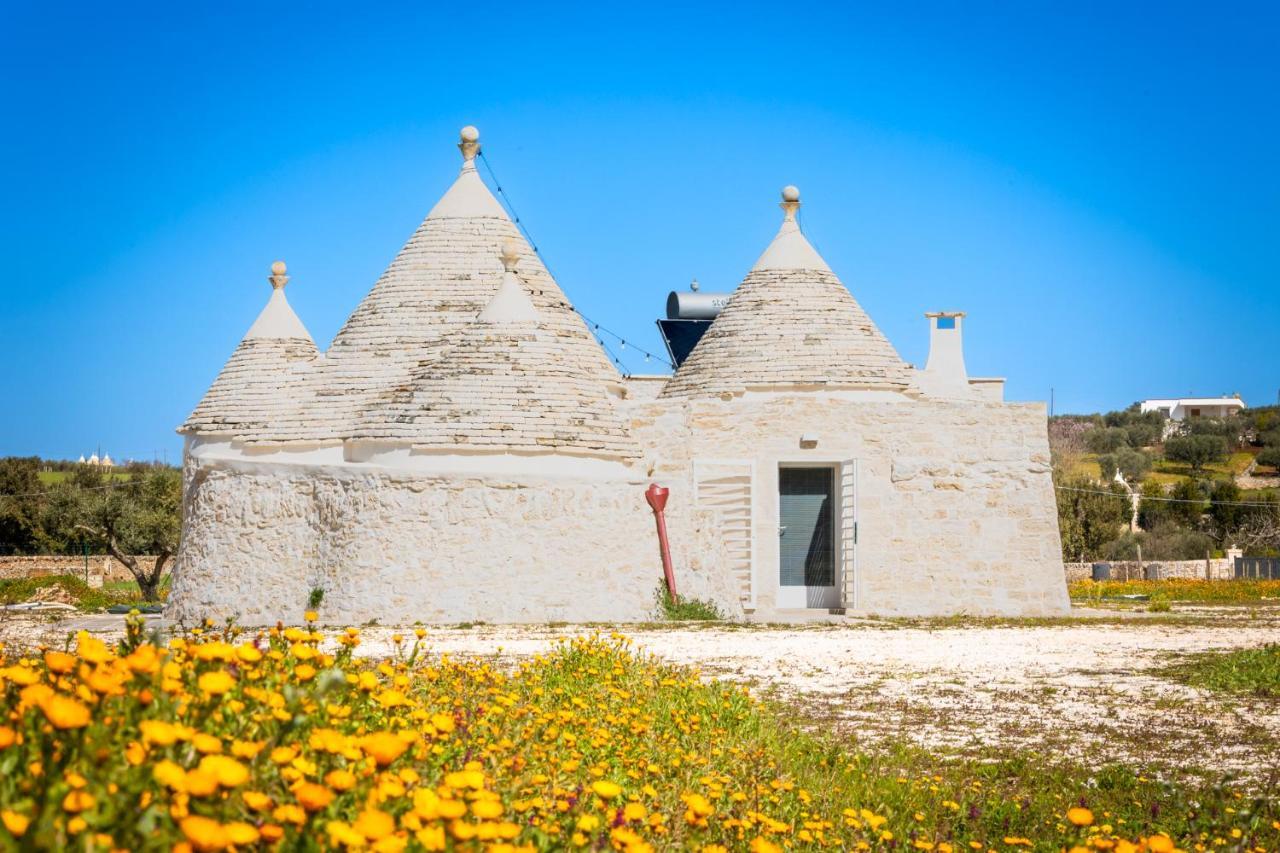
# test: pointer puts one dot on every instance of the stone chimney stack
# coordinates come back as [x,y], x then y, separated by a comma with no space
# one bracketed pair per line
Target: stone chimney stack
[944,374]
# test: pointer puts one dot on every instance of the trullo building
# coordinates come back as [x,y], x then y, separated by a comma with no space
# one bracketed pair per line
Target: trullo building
[465,450]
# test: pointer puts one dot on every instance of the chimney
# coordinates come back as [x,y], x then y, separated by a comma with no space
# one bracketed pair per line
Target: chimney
[944,374]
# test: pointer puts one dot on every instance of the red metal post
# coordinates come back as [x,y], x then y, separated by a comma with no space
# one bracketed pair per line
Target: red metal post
[657,497]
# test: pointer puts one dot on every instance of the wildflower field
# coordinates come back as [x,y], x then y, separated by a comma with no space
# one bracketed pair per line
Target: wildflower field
[286,739]
[1181,589]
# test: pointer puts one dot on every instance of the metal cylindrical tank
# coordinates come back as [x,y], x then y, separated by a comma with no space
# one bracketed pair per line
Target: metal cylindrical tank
[690,305]
[1102,571]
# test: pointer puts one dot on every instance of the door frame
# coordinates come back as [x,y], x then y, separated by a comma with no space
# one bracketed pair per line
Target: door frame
[834,593]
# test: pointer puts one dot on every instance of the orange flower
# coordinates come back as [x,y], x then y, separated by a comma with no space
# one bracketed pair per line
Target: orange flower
[59,662]
[14,822]
[312,797]
[383,747]
[340,780]
[204,833]
[65,712]
[77,801]
[7,737]
[374,824]
[215,683]
[1080,816]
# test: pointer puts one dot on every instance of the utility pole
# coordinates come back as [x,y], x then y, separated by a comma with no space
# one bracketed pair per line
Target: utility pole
[1050,401]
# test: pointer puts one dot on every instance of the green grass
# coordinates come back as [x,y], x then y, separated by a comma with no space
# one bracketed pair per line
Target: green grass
[18,590]
[685,609]
[1255,671]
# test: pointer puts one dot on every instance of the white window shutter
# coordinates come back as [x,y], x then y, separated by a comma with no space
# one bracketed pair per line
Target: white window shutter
[727,487]
[849,534]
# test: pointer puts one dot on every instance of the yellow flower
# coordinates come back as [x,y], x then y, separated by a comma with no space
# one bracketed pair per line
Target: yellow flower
[764,845]
[91,649]
[256,800]
[340,780]
[59,662]
[304,672]
[206,744]
[486,809]
[635,811]
[310,615]
[248,653]
[7,737]
[289,813]
[312,797]
[215,683]
[204,833]
[383,747]
[606,789]
[14,822]
[1160,843]
[170,775]
[442,722]
[65,712]
[158,732]
[1080,816]
[374,824]
[229,772]
[77,801]
[201,783]
[431,838]
[241,833]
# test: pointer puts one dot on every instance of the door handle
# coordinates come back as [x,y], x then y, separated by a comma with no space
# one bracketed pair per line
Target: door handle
[782,528]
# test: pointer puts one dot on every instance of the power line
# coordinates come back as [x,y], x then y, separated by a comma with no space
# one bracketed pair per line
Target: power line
[1166,500]
[594,326]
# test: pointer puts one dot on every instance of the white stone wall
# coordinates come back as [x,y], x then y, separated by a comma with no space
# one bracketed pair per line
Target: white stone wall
[956,510]
[402,548]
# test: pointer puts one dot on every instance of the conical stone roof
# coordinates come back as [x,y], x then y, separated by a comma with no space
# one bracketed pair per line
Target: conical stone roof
[506,383]
[260,382]
[790,323]
[436,285]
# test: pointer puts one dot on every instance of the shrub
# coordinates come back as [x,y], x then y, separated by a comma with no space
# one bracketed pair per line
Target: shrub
[684,608]
[1196,450]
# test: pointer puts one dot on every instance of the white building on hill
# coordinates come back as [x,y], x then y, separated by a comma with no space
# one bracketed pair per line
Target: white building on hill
[1181,408]
[464,450]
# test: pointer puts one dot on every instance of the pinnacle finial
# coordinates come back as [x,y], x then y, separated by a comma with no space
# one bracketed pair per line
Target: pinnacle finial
[790,202]
[278,278]
[510,255]
[469,144]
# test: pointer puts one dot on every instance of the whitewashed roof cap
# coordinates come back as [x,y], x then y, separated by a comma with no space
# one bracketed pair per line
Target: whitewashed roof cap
[261,381]
[791,324]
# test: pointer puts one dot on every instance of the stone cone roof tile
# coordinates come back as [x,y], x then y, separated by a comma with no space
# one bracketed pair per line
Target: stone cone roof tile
[445,274]
[791,322]
[260,382]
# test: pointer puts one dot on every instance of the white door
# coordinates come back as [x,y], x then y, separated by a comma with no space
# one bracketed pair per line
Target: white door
[807,564]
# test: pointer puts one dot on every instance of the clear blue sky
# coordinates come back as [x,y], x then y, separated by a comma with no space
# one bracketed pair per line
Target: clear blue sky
[1096,184]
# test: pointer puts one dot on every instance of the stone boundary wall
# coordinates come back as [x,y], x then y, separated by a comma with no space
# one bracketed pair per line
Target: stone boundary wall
[1221,569]
[101,567]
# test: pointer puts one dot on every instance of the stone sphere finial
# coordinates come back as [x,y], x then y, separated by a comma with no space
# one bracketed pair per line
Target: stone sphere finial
[790,202]
[510,255]
[278,278]
[469,144]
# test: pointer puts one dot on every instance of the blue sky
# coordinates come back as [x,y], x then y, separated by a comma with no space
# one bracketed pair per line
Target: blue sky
[1095,183]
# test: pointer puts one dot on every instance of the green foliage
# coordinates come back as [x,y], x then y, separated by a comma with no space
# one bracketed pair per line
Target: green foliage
[18,590]
[1165,542]
[1142,429]
[315,598]
[1254,671]
[1187,503]
[19,505]
[1270,457]
[1106,439]
[1224,509]
[140,516]
[685,608]
[1196,449]
[1088,520]
[1132,464]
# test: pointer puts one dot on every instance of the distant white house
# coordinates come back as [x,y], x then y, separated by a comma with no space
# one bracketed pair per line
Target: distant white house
[1196,407]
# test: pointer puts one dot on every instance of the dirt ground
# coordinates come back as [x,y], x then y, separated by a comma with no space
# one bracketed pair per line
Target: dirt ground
[1086,687]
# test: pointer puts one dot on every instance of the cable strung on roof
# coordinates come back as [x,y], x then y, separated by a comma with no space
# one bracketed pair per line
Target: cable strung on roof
[596,328]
